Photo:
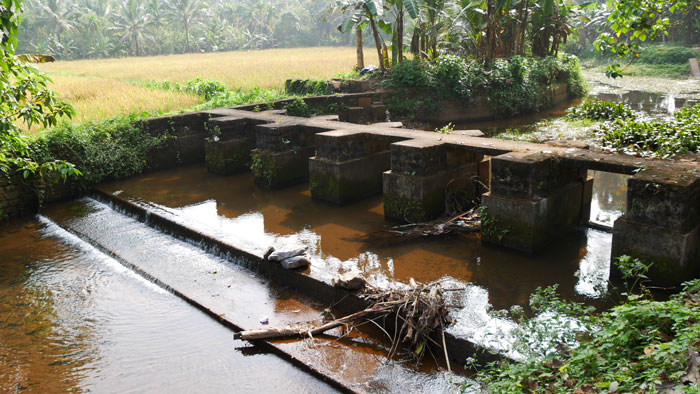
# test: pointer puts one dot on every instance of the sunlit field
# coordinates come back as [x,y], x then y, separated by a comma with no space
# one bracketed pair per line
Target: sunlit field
[106,87]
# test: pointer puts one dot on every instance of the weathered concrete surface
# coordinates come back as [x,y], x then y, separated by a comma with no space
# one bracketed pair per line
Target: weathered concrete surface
[662,224]
[421,171]
[229,150]
[534,200]
[282,153]
[348,165]
[17,196]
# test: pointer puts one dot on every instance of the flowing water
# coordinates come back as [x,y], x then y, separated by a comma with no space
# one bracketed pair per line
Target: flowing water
[74,320]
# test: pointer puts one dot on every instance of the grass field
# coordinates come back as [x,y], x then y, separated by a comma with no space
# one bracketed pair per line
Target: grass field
[107,87]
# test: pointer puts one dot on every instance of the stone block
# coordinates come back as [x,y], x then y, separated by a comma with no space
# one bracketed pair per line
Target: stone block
[530,175]
[347,181]
[182,150]
[664,199]
[419,198]
[674,254]
[228,156]
[418,157]
[279,169]
[355,115]
[530,224]
[377,112]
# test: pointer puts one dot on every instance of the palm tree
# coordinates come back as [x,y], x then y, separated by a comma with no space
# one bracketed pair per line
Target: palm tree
[131,23]
[188,13]
[58,16]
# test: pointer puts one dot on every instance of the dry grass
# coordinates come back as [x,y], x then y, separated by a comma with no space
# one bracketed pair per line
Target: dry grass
[266,69]
[106,87]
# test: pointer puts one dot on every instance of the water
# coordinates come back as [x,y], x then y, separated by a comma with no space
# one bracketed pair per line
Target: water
[340,238]
[74,320]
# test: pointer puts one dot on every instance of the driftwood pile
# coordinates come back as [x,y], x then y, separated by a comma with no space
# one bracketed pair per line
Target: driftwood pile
[414,317]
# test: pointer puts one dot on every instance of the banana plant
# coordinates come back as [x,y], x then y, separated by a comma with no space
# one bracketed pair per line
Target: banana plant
[361,13]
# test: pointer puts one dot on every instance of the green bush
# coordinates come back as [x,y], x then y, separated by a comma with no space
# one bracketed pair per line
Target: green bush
[298,107]
[207,88]
[666,54]
[600,110]
[307,87]
[656,138]
[514,86]
[111,149]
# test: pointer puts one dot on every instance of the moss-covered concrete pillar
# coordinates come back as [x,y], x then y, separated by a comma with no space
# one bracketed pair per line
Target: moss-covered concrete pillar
[421,173]
[228,149]
[281,157]
[348,165]
[661,225]
[533,201]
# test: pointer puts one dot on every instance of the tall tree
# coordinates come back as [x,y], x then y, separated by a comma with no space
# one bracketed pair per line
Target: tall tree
[188,14]
[131,23]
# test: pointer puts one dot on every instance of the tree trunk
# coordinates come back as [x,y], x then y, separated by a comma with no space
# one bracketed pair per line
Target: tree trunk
[187,38]
[358,43]
[377,42]
[521,50]
[399,32]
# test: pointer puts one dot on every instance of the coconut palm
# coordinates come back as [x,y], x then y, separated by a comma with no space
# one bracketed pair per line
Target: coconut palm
[188,14]
[131,23]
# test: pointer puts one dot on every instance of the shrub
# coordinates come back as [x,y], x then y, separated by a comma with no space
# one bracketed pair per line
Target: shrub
[600,110]
[207,88]
[666,54]
[304,87]
[111,149]
[298,107]
[514,86]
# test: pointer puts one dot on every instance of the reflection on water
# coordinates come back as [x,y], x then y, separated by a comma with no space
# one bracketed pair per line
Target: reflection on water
[72,319]
[337,237]
[609,197]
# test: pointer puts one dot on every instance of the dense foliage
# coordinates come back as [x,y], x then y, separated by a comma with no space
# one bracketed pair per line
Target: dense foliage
[667,54]
[599,110]
[514,86]
[637,346]
[24,97]
[656,138]
[112,149]
[73,29]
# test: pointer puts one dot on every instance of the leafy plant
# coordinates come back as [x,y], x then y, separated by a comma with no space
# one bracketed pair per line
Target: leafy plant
[600,110]
[298,107]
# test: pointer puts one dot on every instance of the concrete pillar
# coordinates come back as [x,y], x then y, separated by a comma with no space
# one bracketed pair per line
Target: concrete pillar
[348,165]
[533,201]
[281,157]
[662,224]
[228,149]
[421,173]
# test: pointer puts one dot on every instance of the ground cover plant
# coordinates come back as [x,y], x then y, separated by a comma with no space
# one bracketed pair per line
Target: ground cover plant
[639,346]
[513,86]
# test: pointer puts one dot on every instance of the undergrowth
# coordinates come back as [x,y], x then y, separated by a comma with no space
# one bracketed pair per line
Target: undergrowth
[111,149]
[513,86]
[639,346]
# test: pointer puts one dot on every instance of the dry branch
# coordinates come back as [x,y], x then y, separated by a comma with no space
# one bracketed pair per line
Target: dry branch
[416,316]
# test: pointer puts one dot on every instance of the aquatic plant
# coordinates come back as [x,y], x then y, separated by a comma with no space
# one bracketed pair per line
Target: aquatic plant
[655,138]
[599,110]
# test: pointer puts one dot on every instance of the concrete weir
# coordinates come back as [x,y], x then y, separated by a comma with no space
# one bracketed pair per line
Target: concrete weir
[538,193]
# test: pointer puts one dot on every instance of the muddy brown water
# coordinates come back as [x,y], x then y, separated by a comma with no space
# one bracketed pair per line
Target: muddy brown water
[338,236]
[74,320]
